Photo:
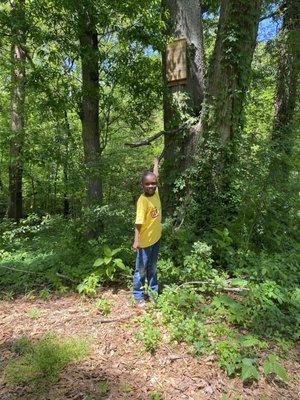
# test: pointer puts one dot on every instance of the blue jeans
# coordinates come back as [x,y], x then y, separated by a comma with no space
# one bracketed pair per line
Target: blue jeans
[145,267]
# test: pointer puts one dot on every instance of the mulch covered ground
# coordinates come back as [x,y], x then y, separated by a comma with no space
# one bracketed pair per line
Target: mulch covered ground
[118,357]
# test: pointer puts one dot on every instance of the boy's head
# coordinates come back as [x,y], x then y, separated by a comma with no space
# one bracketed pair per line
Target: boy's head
[149,183]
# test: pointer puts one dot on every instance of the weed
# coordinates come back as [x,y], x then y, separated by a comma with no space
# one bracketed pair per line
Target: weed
[31,295]
[155,395]
[22,346]
[150,335]
[44,293]
[125,387]
[41,362]
[272,365]
[103,387]
[33,313]
[8,296]
[103,305]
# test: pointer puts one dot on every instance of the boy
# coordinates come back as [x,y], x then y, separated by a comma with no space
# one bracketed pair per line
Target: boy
[147,236]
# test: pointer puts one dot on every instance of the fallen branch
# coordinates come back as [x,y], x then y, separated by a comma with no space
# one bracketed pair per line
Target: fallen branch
[224,289]
[108,320]
[36,272]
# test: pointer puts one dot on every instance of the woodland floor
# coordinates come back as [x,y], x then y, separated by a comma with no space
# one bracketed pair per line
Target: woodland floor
[118,358]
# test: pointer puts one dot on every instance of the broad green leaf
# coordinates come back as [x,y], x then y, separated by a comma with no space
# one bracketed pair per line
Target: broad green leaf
[98,262]
[115,251]
[249,371]
[107,260]
[267,367]
[107,251]
[119,263]
[280,372]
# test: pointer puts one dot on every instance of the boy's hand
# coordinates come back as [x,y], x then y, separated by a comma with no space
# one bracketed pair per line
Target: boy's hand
[155,166]
[156,160]
[135,246]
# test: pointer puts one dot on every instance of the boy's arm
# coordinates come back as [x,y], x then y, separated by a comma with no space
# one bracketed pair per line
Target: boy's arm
[136,243]
[155,166]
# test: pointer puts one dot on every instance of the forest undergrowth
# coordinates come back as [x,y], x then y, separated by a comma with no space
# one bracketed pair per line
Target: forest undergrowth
[244,313]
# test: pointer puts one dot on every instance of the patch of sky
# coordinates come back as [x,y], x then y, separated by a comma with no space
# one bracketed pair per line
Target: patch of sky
[268,29]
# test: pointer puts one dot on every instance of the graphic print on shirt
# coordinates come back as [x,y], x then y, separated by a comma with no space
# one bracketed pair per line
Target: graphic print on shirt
[154,212]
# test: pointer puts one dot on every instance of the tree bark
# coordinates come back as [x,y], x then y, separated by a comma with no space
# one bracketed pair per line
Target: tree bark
[230,66]
[228,81]
[15,204]
[184,22]
[286,91]
[89,112]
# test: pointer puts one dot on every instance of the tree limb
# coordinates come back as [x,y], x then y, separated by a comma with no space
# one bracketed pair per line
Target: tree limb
[151,139]
[270,15]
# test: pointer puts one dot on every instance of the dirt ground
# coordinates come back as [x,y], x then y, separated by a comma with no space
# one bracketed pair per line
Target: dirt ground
[118,357]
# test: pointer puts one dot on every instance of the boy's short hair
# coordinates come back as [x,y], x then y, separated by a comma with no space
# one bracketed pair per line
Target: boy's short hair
[146,174]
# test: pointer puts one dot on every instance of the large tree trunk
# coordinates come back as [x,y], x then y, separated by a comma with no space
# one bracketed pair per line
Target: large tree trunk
[184,22]
[280,207]
[89,112]
[286,91]
[15,208]
[230,67]
[228,81]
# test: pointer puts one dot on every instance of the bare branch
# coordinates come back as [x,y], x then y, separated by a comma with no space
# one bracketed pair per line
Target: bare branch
[270,15]
[151,139]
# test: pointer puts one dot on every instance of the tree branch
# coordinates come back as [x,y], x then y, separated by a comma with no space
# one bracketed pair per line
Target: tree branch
[270,15]
[151,139]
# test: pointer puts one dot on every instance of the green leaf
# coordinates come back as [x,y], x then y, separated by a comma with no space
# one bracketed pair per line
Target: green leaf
[99,262]
[249,371]
[115,251]
[272,365]
[119,263]
[110,271]
[107,260]
[267,367]
[280,372]
[107,251]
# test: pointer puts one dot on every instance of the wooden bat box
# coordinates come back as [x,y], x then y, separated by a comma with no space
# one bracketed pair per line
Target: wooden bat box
[176,68]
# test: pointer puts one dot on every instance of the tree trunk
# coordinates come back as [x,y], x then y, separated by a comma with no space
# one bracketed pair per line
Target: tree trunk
[15,207]
[184,22]
[230,66]
[66,156]
[228,82]
[280,212]
[286,91]
[89,112]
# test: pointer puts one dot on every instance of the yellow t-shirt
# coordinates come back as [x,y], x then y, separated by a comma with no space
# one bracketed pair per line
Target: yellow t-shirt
[148,214]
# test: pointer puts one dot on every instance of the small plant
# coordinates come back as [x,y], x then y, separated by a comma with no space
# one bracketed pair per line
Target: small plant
[125,387]
[155,395]
[41,362]
[273,366]
[103,305]
[108,264]
[44,293]
[150,334]
[7,296]
[22,346]
[103,387]
[33,313]
[30,295]
[89,285]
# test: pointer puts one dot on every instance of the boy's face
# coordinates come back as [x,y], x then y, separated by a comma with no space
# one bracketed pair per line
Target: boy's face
[149,184]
